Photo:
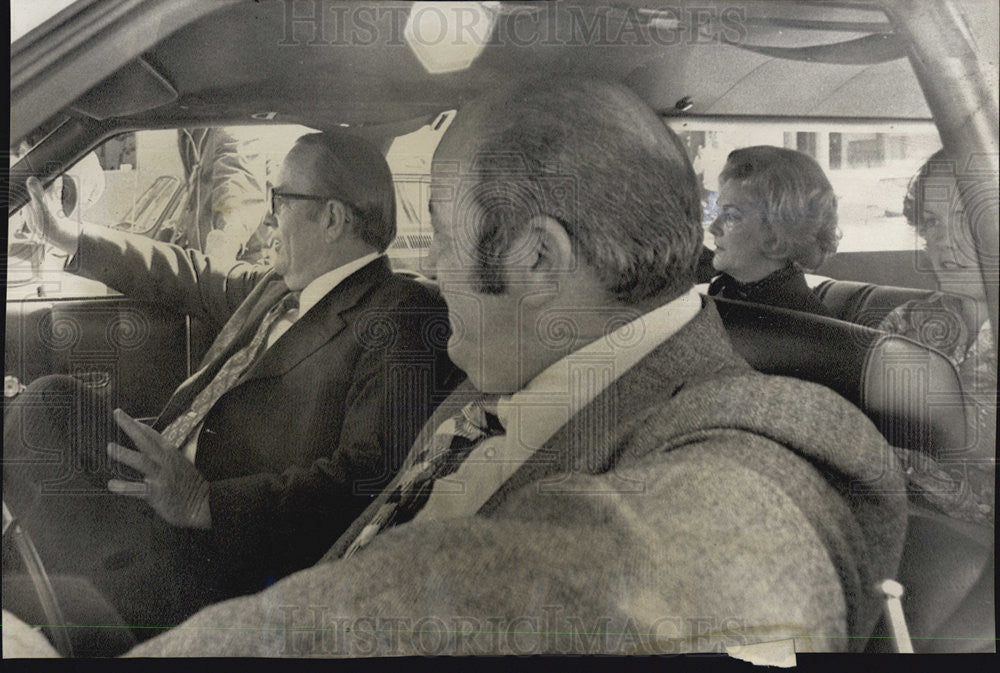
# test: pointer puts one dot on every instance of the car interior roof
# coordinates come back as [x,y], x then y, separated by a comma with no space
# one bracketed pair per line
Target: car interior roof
[794,59]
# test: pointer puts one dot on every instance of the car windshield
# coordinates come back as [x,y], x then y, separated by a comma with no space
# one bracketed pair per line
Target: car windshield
[26,15]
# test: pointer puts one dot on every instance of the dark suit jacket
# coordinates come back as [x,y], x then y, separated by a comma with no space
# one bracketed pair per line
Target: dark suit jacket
[320,423]
[693,504]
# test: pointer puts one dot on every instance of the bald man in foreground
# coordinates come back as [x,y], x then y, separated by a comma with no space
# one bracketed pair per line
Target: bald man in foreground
[613,477]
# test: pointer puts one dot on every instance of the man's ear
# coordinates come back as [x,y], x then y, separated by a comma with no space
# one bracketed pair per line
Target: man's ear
[545,252]
[339,221]
[546,260]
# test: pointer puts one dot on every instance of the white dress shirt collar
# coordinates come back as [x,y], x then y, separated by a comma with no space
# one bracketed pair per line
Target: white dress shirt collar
[533,415]
[322,286]
[615,353]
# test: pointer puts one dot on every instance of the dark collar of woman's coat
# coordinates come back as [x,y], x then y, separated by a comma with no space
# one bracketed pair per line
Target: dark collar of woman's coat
[730,288]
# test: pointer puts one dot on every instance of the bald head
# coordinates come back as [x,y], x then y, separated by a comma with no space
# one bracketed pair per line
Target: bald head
[593,156]
[570,104]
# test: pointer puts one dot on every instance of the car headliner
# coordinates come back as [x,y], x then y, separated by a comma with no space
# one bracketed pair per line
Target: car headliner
[794,59]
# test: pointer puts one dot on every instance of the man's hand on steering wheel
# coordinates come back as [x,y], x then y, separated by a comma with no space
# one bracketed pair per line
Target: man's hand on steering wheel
[171,484]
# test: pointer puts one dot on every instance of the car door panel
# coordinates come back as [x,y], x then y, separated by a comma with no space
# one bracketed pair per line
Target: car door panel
[136,352]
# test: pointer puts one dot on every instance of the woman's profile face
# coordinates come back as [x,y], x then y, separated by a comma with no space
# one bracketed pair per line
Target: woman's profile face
[740,234]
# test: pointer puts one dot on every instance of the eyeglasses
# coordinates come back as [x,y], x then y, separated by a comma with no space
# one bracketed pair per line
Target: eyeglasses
[274,197]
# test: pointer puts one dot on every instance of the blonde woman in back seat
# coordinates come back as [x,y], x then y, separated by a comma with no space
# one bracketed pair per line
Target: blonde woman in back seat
[778,217]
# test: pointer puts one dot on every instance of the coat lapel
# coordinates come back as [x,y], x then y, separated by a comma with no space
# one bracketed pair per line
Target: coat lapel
[321,324]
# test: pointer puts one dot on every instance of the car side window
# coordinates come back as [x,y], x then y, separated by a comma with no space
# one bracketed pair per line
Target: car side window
[202,188]
[409,158]
[869,166]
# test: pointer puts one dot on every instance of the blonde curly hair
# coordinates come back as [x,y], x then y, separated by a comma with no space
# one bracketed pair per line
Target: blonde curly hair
[799,206]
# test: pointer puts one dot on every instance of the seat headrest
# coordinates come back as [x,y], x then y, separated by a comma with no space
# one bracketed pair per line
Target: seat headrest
[911,393]
[868,304]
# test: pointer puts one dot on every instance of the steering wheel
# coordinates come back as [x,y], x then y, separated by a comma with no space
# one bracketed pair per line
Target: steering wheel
[58,632]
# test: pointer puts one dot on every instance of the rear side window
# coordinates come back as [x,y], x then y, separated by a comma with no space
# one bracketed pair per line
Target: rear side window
[869,166]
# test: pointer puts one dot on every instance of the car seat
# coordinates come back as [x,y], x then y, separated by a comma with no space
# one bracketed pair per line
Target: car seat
[911,393]
[914,397]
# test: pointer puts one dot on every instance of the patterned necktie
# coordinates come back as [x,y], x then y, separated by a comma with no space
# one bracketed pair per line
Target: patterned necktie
[452,442]
[177,432]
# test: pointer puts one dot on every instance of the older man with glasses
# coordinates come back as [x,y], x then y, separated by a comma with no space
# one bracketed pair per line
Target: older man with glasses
[324,369]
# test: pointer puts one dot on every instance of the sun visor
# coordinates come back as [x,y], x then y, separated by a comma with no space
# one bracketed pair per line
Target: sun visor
[867,50]
[136,87]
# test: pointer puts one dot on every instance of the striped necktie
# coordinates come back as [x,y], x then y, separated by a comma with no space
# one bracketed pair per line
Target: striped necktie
[177,433]
[452,443]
